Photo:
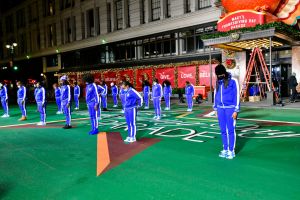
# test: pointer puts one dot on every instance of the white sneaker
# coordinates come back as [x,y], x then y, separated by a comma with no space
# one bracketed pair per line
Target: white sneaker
[127,139]
[146,108]
[5,116]
[230,155]
[126,129]
[155,117]
[130,140]
[115,106]
[223,154]
[122,111]
[76,108]
[41,124]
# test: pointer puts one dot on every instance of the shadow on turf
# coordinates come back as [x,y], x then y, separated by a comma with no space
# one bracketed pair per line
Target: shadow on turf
[240,143]
[5,187]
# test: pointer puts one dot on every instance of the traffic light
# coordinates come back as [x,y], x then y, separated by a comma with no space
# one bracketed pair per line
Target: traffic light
[15,68]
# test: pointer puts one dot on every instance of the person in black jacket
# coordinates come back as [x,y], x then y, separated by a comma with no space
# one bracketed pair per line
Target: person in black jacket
[292,86]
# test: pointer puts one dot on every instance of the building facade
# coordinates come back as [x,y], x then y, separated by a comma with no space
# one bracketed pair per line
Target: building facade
[74,34]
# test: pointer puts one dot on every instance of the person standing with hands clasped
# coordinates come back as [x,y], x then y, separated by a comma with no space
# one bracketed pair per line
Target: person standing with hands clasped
[227,106]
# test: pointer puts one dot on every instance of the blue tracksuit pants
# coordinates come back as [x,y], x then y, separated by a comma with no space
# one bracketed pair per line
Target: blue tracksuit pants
[227,127]
[115,99]
[76,99]
[189,101]
[99,110]
[93,115]
[130,116]
[58,103]
[146,99]
[67,112]
[156,104]
[4,106]
[104,101]
[167,100]
[123,101]
[22,107]
[42,111]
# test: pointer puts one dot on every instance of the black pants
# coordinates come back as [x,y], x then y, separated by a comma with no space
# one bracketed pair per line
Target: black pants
[293,94]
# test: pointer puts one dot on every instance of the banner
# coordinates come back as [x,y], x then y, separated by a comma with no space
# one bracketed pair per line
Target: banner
[109,77]
[204,75]
[186,74]
[141,75]
[163,74]
[97,77]
[126,75]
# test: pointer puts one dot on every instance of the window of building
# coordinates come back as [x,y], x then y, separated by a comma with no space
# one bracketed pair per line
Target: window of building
[155,10]
[142,11]
[108,17]
[49,7]
[73,28]
[22,47]
[9,24]
[20,16]
[33,12]
[130,10]
[203,4]
[90,23]
[119,14]
[64,4]
[51,35]
[82,26]
[97,21]
[68,30]
[187,6]
[168,8]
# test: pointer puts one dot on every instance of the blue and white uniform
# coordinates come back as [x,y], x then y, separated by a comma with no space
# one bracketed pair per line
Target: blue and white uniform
[104,97]
[167,96]
[226,102]
[189,93]
[76,96]
[133,100]
[58,99]
[100,90]
[4,100]
[146,93]
[122,97]
[41,103]
[114,92]
[92,100]
[156,96]
[21,94]
[65,102]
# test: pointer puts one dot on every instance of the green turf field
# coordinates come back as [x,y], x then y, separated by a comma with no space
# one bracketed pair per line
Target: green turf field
[52,163]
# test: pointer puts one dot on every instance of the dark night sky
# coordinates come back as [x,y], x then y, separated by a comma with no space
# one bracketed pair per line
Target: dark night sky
[6,4]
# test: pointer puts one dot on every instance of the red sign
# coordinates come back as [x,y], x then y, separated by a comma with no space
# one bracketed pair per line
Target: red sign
[204,75]
[97,77]
[186,74]
[241,19]
[126,75]
[109,77]
[141,75]
[163,74]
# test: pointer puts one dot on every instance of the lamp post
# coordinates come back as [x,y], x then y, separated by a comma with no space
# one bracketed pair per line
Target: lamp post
[11,47]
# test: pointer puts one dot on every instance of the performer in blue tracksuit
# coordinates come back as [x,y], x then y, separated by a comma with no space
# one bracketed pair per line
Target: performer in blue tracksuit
[122,97]
[189,93]
[146,93]
[227,105]
[156,97]
[41,103]
[21,94]
[57,92]
[104,96]
[114,93]
[167,93]
[133,100]
[66,100]
[92,101]
[4,99]
[76,95]
[35,91]
[100,91]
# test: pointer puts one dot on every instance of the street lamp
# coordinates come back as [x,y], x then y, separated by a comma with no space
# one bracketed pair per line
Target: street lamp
[11,47]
